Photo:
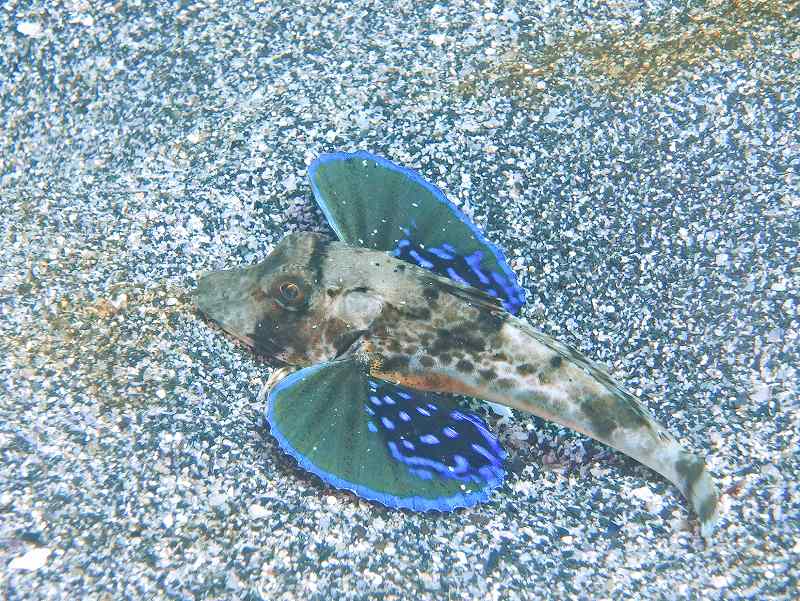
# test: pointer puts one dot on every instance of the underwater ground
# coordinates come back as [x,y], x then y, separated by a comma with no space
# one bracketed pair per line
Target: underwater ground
[639,164]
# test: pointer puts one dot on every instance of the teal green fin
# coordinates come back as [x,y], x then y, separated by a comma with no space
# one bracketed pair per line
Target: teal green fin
[341,425]
[369,201]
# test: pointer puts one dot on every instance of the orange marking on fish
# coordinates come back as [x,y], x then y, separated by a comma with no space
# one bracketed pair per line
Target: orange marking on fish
[428,381]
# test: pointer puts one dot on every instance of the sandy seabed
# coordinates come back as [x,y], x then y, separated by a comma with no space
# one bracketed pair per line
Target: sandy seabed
[639,167]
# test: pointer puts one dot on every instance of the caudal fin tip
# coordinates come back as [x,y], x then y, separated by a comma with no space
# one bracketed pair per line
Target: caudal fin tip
[706,502]
[699,487]
[708,526]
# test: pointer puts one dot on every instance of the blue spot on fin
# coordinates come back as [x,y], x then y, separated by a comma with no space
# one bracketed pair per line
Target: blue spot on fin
[370,201]
[430,431]
[323,417]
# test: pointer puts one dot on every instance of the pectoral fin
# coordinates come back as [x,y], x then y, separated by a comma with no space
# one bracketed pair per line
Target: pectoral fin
[371,202]
[383,442]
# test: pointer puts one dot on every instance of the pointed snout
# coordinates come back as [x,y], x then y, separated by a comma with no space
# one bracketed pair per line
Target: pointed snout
[230,298]
[213,292]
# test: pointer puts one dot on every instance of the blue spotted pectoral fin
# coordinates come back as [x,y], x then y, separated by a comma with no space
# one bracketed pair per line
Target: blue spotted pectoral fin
[369,201]
[431,433]
[323,416]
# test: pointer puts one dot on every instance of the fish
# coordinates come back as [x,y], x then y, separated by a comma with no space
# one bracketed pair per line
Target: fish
[378,329]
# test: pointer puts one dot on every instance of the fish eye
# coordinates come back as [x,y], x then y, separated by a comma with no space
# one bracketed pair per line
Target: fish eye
[290,291]
[290,294]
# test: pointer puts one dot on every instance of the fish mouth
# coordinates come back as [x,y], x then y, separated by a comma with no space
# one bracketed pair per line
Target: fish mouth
[246,341]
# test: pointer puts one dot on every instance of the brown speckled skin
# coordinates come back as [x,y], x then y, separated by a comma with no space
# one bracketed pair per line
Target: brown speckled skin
[415,328]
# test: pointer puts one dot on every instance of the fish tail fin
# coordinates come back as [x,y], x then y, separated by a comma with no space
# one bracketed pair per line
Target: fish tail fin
[596,405]
[660,451]
[686,470]
[698,486]
[666,455]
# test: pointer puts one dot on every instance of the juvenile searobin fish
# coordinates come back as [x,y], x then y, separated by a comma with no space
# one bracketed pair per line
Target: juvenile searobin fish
[411,305]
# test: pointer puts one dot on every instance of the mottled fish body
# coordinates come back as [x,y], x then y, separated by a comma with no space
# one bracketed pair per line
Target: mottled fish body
[386,337]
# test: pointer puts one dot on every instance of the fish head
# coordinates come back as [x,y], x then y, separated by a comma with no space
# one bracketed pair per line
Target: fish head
[273,307]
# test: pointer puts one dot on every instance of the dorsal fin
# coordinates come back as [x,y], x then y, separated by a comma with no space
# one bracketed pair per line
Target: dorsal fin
[371,202]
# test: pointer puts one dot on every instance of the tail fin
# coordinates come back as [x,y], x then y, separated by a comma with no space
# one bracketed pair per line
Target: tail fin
[698,486]
[591,402]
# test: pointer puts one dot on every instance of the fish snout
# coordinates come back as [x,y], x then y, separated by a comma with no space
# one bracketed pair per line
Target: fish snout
[212,293]
[229,298]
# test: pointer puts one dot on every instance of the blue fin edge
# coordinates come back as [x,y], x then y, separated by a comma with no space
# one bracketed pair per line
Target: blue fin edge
[413,175]
[444,504]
